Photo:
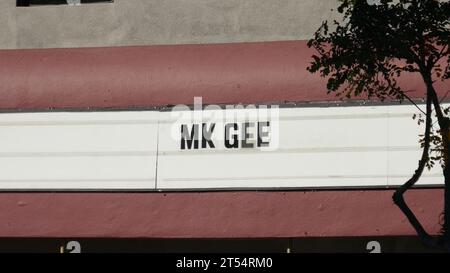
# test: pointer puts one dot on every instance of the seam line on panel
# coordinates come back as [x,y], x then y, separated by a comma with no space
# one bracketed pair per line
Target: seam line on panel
[157,156]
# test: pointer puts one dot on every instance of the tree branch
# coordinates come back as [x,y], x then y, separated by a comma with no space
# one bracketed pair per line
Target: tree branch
[411,101]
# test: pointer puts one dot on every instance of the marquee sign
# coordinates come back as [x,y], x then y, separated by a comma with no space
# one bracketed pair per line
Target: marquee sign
[238,148]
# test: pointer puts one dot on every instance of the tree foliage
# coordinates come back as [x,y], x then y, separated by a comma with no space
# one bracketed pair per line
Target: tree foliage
[373,44]
[363,50]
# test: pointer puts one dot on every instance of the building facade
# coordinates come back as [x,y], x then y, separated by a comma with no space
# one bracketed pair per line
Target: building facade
[86,155]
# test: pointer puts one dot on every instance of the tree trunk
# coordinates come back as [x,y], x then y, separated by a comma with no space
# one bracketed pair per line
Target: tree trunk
[444,124]
[398,197]
[445,225]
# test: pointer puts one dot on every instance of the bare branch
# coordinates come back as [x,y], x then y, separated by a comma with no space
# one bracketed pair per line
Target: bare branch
[412,101]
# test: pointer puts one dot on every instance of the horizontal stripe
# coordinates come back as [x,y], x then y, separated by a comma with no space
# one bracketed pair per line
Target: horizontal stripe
[124,77]
[165,120]
[78,154]
[293,177]
[290,150]
[78,123]
[86,180]
[255,214]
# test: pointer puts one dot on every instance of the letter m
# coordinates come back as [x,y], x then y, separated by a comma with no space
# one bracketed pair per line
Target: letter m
[189,139]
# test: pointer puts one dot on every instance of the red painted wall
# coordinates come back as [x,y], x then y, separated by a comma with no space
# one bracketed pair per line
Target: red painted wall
[128,77]
[143,77]
[214,214]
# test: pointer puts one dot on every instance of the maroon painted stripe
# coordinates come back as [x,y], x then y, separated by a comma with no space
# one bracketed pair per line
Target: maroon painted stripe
[128,77]
[214,214]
